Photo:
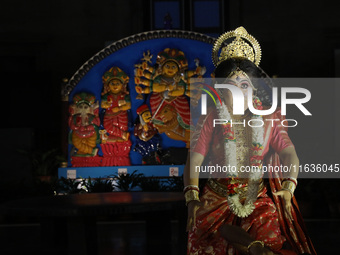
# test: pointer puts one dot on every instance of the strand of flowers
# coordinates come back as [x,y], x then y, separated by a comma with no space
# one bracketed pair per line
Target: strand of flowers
[256,159]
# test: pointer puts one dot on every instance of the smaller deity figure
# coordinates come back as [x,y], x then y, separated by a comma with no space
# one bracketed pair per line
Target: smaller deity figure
[84,124]
[170,75]
[116,101]
[148,140]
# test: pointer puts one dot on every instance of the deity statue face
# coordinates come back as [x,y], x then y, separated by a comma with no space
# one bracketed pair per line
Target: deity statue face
[115,86]
[170,68]
[242,81]
[83,109]
[146,116]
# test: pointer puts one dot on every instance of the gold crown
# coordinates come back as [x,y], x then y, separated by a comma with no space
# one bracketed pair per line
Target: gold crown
[243,46]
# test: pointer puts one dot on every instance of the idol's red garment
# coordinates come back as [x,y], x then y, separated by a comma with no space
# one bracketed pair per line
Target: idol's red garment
[267,222]
[180,104]
[116,124]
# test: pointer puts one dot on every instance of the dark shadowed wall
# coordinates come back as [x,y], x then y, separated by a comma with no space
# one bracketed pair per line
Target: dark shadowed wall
[41,42]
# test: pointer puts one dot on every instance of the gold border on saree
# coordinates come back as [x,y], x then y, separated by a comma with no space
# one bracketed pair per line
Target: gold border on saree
[222,190]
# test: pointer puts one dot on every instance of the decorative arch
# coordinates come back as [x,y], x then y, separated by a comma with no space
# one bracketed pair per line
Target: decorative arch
[127,52]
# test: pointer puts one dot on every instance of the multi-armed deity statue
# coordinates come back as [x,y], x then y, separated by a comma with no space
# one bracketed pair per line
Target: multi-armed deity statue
[102,134]
[169,81]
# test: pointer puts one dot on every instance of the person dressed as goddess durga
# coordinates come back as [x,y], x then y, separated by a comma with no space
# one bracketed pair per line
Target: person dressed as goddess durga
[238,212]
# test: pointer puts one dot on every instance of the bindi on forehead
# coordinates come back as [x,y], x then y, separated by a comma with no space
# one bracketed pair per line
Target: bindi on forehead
[238,78]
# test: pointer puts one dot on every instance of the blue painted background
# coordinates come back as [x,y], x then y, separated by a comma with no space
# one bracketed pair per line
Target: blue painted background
[126,58]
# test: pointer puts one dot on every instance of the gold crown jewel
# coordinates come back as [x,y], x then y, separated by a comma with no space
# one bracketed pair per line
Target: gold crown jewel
[243,46]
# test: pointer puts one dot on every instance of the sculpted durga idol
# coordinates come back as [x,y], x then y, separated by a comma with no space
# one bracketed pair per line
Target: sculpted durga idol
[169,82]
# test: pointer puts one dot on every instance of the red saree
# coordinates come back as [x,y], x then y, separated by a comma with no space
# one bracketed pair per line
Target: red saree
[267,222]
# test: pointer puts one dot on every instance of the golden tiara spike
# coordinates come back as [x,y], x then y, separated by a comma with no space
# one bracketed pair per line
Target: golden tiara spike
[243,46]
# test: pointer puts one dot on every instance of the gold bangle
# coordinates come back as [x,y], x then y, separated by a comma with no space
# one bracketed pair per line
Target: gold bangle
[291,179]
[254,242]
[189,187]
[289,185]
[191,195]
